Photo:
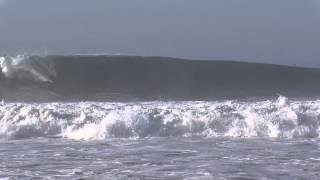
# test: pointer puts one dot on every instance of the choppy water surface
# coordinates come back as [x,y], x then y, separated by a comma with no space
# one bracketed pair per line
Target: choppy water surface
[269,139]
[161,158]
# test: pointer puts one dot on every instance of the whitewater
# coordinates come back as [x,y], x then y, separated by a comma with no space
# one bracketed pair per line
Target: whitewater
[278,118]
[232,139]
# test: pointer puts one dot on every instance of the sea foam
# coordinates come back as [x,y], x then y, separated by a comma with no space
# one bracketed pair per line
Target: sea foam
[27,67]
[95,121]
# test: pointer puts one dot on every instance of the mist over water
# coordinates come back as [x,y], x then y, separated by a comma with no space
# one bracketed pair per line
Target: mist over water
[284,32]
[2,2]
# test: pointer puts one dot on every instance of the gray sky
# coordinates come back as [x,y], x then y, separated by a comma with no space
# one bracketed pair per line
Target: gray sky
[271,31]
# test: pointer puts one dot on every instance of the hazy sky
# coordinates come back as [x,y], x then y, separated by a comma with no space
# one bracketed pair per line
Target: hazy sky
[272,31]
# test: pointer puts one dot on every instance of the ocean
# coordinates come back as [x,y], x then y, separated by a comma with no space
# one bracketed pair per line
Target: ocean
[130,117]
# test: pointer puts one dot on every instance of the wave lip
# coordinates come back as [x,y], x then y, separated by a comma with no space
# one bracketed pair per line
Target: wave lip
[279,118]
[24,67]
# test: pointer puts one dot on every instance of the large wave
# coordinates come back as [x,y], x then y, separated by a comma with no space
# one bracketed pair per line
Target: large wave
[91,121]
[134,78]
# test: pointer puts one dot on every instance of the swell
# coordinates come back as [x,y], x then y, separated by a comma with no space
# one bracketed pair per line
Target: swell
[133,78]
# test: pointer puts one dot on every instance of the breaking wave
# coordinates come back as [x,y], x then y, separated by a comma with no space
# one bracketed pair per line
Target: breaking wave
[95,121]
[133,78]
[27,67]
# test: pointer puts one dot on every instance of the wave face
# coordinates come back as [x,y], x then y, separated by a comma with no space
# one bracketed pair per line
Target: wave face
[92,121]
[133,78]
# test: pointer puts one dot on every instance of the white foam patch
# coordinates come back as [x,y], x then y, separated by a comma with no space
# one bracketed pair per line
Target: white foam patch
[22,67]
[94,121]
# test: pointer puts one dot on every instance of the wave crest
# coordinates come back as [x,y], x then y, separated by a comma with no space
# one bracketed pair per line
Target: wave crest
[27,67]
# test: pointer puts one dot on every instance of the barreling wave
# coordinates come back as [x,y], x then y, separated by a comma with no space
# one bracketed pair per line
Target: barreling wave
[134,78]
[279,118]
